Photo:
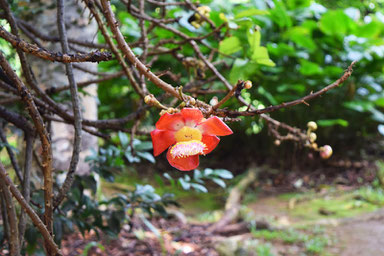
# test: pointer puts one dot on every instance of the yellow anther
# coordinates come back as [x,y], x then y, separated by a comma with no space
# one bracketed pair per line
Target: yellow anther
[188,133]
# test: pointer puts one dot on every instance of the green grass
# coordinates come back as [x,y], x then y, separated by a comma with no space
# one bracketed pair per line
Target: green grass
[314,243]
[337,207]
[264,250]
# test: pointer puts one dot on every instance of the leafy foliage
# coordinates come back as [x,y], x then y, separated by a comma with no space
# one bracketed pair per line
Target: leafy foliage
[112,158]
[197,182]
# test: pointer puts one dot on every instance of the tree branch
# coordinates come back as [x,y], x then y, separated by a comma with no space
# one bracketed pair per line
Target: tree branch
[75,106]
[31,213]
[44,137]
[16,42]
[13,239]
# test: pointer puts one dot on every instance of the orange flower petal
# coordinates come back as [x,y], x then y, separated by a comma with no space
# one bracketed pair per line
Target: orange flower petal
[214,126]
[162,140]
[192,116]
[170,122]
[183,164]
[211,142]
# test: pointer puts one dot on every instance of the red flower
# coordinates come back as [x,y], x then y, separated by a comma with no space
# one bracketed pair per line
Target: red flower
[189,134]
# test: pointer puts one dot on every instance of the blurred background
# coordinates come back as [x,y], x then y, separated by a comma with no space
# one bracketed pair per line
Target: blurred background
[288,200]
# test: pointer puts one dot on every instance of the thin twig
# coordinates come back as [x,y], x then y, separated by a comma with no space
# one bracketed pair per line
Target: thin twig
[114,49]
[95,56]
[28,27]
[16,167]
[302,100]
[85,83]
[12,220]
[29,141]
[75,107]
[137,63]
[31,213]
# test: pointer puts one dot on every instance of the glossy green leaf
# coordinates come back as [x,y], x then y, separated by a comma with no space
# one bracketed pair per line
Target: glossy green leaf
[254,37]
[301,36]
[230,45]
[224,174]
[199,187]
[309,68]
[260,56]
[335,22]
[219,182]
[279,14]
[251,12]
[332,122]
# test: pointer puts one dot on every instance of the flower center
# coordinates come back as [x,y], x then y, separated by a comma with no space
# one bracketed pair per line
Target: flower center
[187,148]
[188,133]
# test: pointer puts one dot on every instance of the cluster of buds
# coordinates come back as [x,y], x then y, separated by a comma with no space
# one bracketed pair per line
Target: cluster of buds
[196,20]
[169,111]
[325,151]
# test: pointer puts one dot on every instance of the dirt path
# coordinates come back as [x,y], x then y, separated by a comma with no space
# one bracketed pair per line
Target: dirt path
[361,236]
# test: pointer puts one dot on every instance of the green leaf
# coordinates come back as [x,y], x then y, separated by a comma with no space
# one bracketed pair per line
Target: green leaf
[224,174]
[299,88]
[267,94]
[219,182]
[146,155]
[380,102]
[377,115]
[301,36]
[159,180]
[279,14]
[359,106]
[333,70]
[370,30]
[253,39]
[281,49]
[251,12]
[260,56]
[185,185]
[123,139]
[149,225]
[294,4]
[143,146]
[131,158]
[199,187]
[309,68]
[335,22]
[230,45]
[332,122]
[239,70]
[171,180]
[207,172]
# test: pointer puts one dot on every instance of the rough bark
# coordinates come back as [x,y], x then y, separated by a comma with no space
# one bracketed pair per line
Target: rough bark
[80,27]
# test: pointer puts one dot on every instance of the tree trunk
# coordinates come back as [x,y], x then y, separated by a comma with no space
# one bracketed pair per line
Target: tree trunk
[53,74]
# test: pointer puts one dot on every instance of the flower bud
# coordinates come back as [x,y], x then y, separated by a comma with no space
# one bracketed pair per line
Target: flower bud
[312,126]
[149,99]
[277,142]
[326,152]
[195,24]
[214,101]
[192,101]
[312,137]
[247,85]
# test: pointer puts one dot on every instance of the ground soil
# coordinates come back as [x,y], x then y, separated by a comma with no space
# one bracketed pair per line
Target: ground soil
[358,236]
